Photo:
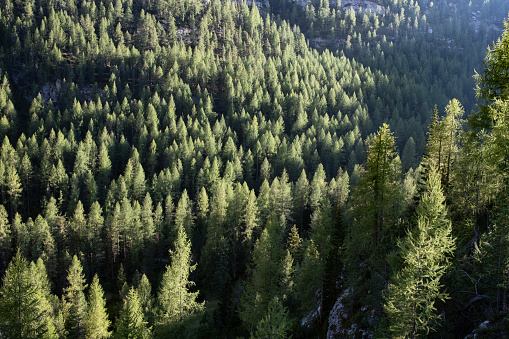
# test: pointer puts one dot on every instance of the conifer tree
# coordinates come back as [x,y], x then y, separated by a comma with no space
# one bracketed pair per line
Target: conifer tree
[301,198]
[183,214]
[375,214]
[131,323]
[24,310]
[493,83]
[96,320]
[175,300]
[411,297]
[94,248]
[144,290]
[75,304]
[265,275]
[275,324]
[375,197]
[5,238]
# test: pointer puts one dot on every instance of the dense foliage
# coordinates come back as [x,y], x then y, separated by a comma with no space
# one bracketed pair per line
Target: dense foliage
[210,169]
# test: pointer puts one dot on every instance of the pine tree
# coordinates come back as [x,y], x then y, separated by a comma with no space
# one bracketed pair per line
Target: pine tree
[96,320]
[410,300]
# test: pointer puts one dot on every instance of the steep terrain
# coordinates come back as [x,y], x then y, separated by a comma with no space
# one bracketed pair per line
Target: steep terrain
[279,147]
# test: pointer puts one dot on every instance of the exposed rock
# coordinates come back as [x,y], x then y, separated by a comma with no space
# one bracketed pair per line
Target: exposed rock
[337,316]
[310,318]
[363,5]
[484,325]
[51,91]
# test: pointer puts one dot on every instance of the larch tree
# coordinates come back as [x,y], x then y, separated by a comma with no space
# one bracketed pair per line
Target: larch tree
[265,275]
[94,248]
[375,221]
[144,290]
[275,324]
[374,200]
[410,299]
[311,276]
[175,300]
[301,198]
[75,304]
[131,323]
[494,82]
[96,320]
[24,310]
[5,238]
[442,143]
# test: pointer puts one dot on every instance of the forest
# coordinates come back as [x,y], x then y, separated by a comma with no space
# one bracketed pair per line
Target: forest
[254,169]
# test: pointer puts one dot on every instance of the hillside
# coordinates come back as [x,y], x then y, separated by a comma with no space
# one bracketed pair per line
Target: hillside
[219,169]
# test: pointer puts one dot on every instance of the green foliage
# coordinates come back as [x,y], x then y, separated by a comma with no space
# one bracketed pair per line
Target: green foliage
[275,324]
[131,322]
[411,297]
[24,309]
[492,84]
[96,321]
[213,127]
[265,275]
[74,304]
[175,300]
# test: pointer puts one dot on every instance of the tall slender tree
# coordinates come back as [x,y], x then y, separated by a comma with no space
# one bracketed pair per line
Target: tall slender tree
[411,297]
[24,310]
[96,320]
[175,300]
[131,323]
[265,275]
[75,304]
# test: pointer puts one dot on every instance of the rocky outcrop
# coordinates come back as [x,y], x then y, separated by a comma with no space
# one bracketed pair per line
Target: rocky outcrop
[363,5]
[339,315]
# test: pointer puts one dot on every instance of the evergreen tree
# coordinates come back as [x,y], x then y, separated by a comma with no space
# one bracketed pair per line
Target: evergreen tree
[410,300]
[175,300]
[265,275]
[375,221]
[75,304]
[375,198]
[5,238]
[144,290]
[493,83]
[301,198]
[96,320]
[24,310]
[131,323]
[276,322]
